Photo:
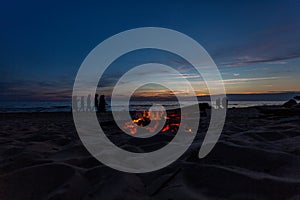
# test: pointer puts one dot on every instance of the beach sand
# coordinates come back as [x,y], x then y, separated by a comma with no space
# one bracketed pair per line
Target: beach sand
[257,157]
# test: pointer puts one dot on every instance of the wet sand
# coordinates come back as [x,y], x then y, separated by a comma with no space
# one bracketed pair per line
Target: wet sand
[257,157]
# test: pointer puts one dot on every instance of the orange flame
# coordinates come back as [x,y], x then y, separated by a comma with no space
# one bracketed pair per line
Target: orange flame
[172,122]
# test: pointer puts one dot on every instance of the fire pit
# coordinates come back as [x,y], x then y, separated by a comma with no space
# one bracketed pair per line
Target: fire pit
[143,119]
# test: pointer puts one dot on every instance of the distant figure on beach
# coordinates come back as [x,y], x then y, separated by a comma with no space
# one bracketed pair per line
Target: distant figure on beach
[202,108]
[75,103]
[225,103]
[102,104]
[81,104]
[88,104]
[96,102]
[218,103]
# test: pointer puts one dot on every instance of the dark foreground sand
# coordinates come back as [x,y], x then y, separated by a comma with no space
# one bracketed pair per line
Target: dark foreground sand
[257,157]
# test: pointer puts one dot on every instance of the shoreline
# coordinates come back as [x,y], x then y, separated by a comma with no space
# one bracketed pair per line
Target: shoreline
[20,107]
[259,106]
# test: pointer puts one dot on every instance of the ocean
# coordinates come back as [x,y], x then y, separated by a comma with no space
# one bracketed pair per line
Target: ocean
[235,100]
[65,106]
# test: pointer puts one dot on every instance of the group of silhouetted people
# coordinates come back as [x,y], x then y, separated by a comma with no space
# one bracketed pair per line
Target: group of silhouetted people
[99,104]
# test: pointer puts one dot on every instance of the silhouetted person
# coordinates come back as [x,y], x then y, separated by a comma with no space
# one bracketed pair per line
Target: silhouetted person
[74,103]
[88,104]
[96,102]
[81,104]
[102,104]
[218,103]
[202,108]
[225,103]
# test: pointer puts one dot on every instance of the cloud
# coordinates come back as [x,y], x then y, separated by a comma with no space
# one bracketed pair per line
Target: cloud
[35,90]
[243,80]
[271,45]
[185,76]
[246,60]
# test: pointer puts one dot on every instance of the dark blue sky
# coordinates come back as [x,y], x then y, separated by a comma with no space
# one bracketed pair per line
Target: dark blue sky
[256,45]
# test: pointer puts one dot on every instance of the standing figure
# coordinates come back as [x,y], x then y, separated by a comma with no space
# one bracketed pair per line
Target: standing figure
[225,103]
[88,104]
[218,103]
[81,104]
[74,103]
[102,104]
[96,104]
